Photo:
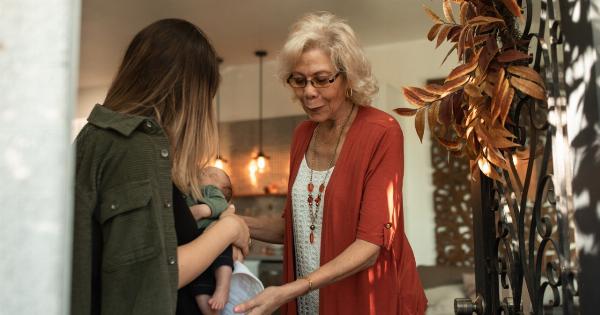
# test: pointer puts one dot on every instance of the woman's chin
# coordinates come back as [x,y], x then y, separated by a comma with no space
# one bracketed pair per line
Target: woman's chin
[316,116]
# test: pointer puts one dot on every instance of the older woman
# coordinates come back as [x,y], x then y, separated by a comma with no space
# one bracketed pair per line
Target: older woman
[345,247]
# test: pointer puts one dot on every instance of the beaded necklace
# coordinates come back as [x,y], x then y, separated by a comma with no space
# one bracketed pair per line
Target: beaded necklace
[313,211]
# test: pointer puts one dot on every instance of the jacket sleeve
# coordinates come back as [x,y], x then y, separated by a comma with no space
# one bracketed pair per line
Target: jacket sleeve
[87,241]
[381,207]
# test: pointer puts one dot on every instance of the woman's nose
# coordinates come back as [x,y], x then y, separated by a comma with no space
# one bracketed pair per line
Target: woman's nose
[309,90]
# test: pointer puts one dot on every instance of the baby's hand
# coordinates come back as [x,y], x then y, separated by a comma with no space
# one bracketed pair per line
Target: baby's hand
[200,211]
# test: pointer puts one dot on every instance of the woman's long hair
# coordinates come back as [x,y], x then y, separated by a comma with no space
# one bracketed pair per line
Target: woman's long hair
[170,73]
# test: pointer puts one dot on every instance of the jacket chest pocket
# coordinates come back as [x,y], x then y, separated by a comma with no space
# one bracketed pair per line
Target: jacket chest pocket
[128,227]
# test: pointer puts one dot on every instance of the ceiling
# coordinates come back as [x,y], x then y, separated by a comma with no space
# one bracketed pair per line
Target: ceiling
[236,27]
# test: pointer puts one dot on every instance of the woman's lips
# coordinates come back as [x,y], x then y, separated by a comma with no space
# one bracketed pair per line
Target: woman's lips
[314,109]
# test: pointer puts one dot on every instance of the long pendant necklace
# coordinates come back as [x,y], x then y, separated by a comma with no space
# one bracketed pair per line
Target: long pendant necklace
[316,202]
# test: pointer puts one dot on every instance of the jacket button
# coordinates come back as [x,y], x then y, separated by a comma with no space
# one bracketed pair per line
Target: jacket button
[171,260]
[114,206]
[164,153]
[167,204]
[388,226]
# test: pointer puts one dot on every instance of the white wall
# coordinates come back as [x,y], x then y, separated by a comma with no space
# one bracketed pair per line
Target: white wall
[395,65]
[39,43]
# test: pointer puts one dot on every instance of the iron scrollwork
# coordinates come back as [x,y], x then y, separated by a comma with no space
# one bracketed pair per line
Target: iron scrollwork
[532,256]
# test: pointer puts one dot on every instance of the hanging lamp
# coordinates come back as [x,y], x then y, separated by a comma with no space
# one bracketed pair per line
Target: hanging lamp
[219,160]
[260,159]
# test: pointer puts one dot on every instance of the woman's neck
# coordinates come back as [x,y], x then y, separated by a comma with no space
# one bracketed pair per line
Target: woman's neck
[342,115]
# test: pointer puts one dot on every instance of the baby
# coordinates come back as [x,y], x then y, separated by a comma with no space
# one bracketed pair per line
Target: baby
[212,288]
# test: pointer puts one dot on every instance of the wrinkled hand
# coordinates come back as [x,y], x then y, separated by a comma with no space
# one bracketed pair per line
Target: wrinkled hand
[266,302]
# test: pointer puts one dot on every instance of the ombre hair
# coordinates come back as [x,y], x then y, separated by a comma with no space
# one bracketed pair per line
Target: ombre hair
[332,35]
[170,73]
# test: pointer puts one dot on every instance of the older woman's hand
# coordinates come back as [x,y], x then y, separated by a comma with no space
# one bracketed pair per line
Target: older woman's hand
[264,303]
[272,298]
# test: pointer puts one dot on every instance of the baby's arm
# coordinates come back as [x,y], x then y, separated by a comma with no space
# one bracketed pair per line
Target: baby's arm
[200,211]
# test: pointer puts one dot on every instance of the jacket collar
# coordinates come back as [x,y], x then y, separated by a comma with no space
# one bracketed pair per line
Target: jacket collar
[105,118]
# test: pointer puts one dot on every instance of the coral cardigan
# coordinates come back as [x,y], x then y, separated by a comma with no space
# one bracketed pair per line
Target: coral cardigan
[363,200]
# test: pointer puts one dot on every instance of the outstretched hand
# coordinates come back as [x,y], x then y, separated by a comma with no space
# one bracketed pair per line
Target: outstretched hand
[266,302]
[272,298]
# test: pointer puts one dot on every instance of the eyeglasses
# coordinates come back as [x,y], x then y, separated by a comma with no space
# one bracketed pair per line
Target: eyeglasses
[320,81]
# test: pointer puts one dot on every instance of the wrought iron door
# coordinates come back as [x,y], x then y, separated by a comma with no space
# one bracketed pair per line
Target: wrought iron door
[523,231]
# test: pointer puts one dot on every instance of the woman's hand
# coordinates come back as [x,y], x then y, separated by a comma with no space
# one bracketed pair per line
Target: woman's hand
[242,236]
[264,303]
[272,298]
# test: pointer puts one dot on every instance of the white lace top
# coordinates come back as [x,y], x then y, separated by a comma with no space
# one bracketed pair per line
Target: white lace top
[307,254]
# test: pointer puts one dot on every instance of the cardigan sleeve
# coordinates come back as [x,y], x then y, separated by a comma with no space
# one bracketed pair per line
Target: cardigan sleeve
[381,206]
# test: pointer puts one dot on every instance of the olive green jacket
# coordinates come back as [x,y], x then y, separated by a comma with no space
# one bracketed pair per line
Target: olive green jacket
[124,246]
[213,197]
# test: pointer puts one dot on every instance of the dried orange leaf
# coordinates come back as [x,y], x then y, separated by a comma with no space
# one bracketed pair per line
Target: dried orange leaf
[469,40]
[527,73]
[422,94]
[464,7]
[498,99]
[528,88]
[488,54]
[433,31]
[513,7]
[405,111]
[461,42]
[420,123]
[432,15]
[435,89]
[449,52]
[448,11]
[499,86]
[506,104]
[512,55]
[466,68]
[449,144]
[454,33]
[482,20]
[412,98]
[472,90]
[495,157]
[488,89]
[431,118]
[443,34]
[503,143]
[501,131]
[456,84]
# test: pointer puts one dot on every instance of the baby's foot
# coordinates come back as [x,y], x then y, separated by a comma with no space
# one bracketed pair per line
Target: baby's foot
[219,298]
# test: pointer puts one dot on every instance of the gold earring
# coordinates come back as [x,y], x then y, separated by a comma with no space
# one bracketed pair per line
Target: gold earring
[349,93]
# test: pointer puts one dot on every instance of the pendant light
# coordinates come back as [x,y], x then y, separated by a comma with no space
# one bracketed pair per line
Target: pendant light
[261,159]
[219,160]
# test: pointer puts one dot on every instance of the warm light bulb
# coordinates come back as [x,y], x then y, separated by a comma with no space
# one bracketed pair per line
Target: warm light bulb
[219,163]
[261,162]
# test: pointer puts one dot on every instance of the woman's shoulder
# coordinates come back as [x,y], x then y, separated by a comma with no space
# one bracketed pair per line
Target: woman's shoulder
[375,118]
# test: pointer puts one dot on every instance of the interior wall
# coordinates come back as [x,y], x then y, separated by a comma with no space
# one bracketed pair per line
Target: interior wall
[394,65]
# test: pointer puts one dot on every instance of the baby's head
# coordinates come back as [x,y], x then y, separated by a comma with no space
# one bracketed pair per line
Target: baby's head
[211,175]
